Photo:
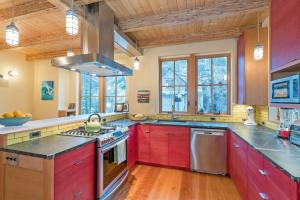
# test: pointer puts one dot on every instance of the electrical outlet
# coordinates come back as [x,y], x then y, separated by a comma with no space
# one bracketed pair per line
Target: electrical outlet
[12,159]
[35,134]
[212,119]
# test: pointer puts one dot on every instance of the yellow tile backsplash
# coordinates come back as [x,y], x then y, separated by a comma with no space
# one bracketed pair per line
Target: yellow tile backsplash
[14,138]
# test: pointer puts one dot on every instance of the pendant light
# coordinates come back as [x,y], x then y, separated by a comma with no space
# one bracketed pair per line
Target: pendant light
[70,52]
[136,61]
[259,48]
[12,32]
[71,21]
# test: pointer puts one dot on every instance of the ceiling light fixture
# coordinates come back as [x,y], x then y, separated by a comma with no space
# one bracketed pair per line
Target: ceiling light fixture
[70,52]
[259,48]
[71,21]
[13,73]
[136,63]
[5,77]
[12,36]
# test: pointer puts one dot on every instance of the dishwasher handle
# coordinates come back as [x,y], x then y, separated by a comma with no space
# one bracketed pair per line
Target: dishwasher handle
[208,132]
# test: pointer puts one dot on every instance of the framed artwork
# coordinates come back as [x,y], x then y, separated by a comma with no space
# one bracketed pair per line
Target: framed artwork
[126,107]
[119,107]
[47,93]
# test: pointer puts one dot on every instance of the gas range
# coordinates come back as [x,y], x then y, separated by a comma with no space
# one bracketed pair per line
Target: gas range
[106,135]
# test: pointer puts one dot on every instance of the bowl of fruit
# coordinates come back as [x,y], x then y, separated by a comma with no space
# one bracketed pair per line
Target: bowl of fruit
[16,118]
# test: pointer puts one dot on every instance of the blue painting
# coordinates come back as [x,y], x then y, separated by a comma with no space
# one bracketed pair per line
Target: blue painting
[47,90]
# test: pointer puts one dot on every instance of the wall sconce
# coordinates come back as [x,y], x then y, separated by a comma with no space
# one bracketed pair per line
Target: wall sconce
[11,73]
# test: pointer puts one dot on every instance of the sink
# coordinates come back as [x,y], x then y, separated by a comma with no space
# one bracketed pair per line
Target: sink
[170,122]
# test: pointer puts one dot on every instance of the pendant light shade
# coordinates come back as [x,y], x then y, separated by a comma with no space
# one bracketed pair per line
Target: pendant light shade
[258,51]
[12,34]
[70,52]
[71,22]
[136,63]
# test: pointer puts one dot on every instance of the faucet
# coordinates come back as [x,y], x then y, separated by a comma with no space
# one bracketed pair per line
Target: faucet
[173,117]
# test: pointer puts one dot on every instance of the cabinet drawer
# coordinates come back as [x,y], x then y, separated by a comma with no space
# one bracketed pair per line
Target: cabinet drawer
[256,170]
[254,192]
[75,157]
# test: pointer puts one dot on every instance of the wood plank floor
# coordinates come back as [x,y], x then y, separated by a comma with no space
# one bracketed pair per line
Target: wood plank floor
[156,183]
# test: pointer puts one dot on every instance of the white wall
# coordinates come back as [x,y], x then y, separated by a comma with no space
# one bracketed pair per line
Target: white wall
[148,75]
[16,93]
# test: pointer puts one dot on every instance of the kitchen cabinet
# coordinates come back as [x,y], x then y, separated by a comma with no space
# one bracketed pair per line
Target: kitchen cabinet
[143,136]
[132,147]
[74,174]
[159,142]
[252,84]
[285,30]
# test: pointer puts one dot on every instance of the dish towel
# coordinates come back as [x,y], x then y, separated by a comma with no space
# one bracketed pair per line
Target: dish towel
[121,152]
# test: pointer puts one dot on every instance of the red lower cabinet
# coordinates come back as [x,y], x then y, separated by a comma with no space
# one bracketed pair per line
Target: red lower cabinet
[74,174]
[159,142]
[143,140]
[132,152]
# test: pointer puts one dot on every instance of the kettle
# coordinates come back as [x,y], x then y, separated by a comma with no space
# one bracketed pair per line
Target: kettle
[91,125]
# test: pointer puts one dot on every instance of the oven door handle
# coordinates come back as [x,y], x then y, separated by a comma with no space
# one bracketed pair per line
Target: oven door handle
[104,150]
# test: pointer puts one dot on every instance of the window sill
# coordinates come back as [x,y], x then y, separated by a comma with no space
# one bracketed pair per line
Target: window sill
[189,114]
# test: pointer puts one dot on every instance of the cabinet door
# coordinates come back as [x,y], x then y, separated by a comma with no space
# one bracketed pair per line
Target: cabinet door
[241,69]
[143,132]
[159,136]
[284,32]
[179,147]
[132,147]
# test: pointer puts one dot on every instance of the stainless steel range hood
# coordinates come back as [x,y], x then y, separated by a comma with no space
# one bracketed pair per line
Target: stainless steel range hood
[97,45]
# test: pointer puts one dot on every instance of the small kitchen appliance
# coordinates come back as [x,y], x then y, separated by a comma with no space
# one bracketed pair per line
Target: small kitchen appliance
[295,133]
[283,133]
[286,90]
[250,121]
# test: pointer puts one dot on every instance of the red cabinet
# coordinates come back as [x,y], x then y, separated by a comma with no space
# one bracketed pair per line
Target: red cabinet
[74,176]
[143,136]
[132,152]
[159,142]
[179,147]
[285,31]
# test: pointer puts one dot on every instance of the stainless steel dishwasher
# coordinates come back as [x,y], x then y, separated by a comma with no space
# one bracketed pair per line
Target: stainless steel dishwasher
[208,151]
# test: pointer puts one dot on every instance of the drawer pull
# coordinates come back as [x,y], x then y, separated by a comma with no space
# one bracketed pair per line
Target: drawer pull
[262,172]
[77,194]
[77,162]
[263,196]
[236,145]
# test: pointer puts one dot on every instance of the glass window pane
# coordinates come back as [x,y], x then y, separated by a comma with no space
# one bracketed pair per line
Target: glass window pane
[220,99]
[85,105]
[220,70]
[181,72]
[121,99]
[85,85]
[110,104]
[94,104]
[204,99]
[121,86]
[180,99]
[204,71]
[167,73]
[167,99]
[94,86]
[110,85]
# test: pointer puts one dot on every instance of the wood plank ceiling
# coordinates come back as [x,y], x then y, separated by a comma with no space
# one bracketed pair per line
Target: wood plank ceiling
[151,23]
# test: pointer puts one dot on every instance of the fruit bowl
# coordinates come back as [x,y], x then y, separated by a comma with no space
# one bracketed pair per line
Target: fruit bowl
[14,121]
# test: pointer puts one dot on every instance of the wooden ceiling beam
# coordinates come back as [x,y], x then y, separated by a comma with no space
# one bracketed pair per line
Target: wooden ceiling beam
[192,37]
[51,54]
[227,8]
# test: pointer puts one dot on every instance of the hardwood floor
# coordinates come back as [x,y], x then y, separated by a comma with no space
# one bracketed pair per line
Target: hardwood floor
[156,183]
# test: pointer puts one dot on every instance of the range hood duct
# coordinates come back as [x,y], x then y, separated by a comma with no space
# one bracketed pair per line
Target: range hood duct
[97,46]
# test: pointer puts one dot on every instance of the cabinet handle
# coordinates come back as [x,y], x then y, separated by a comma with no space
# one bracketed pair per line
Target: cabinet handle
[262,172]
[77,162]
[77,194]
[263,195]
[236,145]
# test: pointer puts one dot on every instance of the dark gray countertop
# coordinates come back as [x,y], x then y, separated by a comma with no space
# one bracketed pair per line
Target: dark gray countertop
[48,147]
[280,152]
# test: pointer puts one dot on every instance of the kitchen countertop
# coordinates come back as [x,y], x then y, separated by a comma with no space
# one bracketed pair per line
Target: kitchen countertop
[48,147]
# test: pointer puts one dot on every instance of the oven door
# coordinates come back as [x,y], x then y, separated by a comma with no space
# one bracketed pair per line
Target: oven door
[112,165]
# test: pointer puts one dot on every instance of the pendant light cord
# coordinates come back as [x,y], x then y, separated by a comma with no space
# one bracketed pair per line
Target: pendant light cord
[258,28]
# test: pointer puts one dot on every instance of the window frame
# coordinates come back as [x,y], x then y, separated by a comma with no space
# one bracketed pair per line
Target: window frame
[228,55]
[115,96]
[161,60]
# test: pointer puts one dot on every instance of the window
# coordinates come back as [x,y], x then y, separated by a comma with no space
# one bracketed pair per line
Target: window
[212,84]
[115,92]
[173,83]
[89,99]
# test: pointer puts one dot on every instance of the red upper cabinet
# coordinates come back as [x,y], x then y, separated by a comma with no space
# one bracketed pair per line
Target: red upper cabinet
[285,31]
[159,142]
[132,152]
[143,136]
[241,69]
[179,147]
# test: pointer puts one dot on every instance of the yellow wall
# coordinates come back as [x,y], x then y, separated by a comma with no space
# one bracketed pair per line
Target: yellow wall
[17,93]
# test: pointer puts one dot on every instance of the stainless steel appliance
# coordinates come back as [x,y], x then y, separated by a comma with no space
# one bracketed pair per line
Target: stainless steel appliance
[208,151]
[295,133]
[111,157]
[286,90]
